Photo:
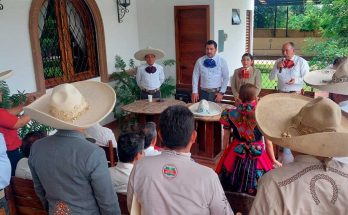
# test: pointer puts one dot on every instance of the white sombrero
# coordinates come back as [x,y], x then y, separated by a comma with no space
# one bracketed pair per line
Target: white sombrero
[205,108]
[333,81]
[310,126]
[140,55]
[5,75]
[72,106]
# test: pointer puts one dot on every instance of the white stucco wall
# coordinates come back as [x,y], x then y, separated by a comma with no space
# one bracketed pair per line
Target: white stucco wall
[15,52]
[234,46]
[156,25]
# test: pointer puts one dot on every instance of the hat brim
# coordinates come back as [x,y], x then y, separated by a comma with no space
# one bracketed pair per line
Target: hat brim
[344,106]
[6,74]
[140,55]
[214,109]
[273,115]
[317,79]
[100,97]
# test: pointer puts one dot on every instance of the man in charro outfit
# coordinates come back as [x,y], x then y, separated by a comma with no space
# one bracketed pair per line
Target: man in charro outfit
[316,131]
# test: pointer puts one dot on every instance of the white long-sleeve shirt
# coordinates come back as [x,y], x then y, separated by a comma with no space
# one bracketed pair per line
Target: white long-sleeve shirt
[150,81]
[297,72]
[216,77]
[5,166]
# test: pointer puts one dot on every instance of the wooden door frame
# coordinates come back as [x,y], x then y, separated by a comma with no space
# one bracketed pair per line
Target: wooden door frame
[177,55]
[35,42]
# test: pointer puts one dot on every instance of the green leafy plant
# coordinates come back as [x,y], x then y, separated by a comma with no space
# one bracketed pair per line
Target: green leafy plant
[10,101]
[127,89]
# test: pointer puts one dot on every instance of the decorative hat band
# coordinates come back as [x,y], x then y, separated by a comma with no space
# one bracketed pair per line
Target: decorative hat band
[304,130]
[70,115]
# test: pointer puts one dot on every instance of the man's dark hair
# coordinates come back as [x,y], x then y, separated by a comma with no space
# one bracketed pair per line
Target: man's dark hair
[211,42]
[128,146]
[29,139]
[292,44]
[150,133]
[176,126]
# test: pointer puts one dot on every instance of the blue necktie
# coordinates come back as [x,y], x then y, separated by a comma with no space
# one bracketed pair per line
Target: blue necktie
[209,63]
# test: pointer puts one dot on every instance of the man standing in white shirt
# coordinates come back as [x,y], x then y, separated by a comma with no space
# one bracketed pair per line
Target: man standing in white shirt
[150,139]
[212,71]
[130,149]
[290,70]
[5,174]
[150,76]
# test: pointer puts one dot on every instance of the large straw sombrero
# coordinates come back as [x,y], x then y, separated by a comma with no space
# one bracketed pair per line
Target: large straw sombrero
[309,126]
[5,75]
[140,55]
[333,81]
[72,106]
[205,108]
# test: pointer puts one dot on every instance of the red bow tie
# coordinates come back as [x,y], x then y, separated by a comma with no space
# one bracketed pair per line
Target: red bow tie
[244,73]
[288,64]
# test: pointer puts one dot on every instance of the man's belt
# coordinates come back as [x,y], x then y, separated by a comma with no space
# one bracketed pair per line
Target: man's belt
[211,90]
[151,91]
[2,193]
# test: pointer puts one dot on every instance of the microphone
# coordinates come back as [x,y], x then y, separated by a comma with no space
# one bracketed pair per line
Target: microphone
[281,68]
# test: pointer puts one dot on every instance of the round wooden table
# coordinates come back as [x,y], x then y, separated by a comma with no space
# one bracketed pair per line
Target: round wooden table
[209,138]
[144,107]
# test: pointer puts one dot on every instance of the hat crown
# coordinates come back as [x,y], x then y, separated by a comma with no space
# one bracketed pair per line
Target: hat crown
[342,70]
[203,107]
[67,103]
[318,115]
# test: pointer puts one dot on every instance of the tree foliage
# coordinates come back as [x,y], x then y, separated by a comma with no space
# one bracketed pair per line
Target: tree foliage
[331,19]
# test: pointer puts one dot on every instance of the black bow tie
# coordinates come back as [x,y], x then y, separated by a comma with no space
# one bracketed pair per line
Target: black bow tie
[150,69]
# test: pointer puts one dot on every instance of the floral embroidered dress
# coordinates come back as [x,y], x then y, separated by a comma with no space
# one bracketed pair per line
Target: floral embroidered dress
[244,161]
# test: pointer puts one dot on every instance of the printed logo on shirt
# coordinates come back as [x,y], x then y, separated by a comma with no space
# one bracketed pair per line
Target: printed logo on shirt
[169,171]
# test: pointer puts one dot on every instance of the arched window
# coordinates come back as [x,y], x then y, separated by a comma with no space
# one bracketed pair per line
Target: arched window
[67,41]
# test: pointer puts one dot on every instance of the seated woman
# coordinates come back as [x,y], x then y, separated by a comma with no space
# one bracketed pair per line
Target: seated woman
[22,169]
[245,160]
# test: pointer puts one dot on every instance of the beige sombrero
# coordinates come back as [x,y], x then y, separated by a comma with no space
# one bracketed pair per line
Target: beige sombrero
[309,126]
[205,108]
[72,106]
[6,74]
[140,55]
[333,81]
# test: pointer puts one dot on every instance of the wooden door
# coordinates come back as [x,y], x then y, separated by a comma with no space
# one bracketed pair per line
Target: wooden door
[191,33]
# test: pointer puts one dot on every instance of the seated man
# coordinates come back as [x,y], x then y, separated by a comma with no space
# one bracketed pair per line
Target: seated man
[315,131]
[172,183]
[150,139]
[130,149]
[22,169]
[101,134]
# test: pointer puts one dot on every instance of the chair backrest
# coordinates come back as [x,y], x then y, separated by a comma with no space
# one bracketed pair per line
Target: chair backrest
[24,197]
[111,154]
[240,202]
[122,201]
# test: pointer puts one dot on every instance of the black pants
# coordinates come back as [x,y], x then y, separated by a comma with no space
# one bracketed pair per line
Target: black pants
[14,156]
[144,94]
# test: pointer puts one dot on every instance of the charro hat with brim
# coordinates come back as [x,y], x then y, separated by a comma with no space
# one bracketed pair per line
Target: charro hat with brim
[140,55]
[310,126]
[73,106]
[333,81]
[205,108]
[6,74]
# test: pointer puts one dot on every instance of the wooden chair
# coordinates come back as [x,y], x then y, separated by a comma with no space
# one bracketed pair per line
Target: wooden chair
[240,202]
[111,154]
[23,199]
[122,201]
